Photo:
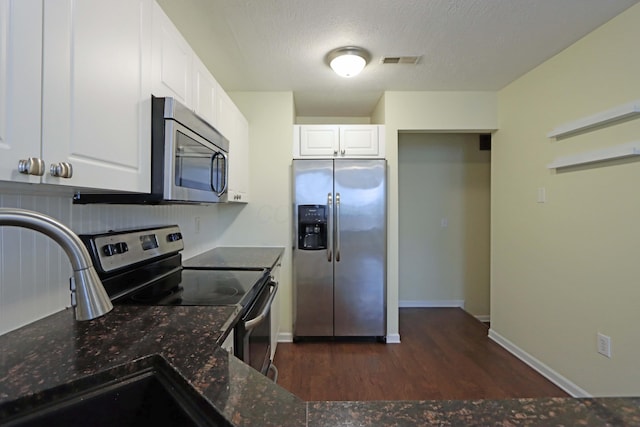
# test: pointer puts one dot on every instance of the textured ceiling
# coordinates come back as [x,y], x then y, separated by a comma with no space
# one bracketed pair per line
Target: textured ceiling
[280,45]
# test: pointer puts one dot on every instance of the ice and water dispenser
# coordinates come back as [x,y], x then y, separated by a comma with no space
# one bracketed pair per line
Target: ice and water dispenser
[312,227]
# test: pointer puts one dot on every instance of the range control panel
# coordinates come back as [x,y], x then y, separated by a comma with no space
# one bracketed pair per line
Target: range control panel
[117,249]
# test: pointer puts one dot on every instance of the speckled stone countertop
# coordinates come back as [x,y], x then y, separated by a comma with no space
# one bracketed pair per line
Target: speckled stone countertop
[236,257]
[540,412]
[56,354]
[57,350]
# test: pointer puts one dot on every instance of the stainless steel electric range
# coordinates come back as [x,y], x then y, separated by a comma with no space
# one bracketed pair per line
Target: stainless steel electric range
[144,267]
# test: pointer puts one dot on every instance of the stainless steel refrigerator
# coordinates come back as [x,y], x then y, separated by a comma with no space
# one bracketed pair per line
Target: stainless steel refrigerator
[340,249]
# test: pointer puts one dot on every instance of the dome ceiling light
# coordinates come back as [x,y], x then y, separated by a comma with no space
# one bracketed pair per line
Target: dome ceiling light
[348,61]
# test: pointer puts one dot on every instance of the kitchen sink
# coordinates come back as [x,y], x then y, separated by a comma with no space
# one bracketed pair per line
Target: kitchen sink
[148,397]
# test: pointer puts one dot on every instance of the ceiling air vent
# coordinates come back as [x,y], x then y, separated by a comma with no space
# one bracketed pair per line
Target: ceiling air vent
[400,60]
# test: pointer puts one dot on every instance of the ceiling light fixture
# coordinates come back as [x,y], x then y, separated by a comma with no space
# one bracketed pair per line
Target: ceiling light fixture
[348,61]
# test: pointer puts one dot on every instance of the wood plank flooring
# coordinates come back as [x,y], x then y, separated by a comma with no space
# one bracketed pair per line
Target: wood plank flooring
[445,354]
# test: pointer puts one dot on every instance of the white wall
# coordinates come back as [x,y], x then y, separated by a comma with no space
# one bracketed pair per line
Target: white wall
[34,271]
[444,197]
[267,219]
[564,270]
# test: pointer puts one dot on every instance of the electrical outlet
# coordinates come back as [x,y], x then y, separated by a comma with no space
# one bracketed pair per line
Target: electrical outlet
[196,224]
[604,345]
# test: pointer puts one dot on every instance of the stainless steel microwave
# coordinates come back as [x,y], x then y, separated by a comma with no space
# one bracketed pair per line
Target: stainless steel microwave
[189,160]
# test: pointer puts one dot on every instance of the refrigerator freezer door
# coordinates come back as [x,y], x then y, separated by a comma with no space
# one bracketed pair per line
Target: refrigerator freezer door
[360,241]
[312,269]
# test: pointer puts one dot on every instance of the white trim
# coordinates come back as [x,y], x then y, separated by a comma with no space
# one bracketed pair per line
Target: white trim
[393,339]
[539,366]
[285,337]
[431,303]
[483,317]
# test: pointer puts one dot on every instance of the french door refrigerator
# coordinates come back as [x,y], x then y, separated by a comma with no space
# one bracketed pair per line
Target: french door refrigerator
[339,255]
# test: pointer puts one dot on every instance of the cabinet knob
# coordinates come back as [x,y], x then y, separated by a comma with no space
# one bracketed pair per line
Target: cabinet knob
[32,166]
[343,152]
[61,170]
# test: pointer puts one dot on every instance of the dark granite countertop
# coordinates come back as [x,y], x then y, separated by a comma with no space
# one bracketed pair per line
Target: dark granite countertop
[236,257]
[57,350]
[59,353]
[539,412]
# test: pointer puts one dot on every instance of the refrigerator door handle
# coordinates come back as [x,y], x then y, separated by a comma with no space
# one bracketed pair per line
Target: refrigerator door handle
[330,227]
[337,227]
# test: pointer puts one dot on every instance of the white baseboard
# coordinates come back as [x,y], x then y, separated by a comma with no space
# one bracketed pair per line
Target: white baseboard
[483,317]
[285,337]
[537,365]
[431,304]
[393,339]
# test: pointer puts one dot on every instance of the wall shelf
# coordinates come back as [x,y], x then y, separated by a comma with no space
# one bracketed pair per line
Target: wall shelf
[595,156]
[602,118]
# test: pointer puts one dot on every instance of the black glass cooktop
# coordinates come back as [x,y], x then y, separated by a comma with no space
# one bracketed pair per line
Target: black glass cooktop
[201,287]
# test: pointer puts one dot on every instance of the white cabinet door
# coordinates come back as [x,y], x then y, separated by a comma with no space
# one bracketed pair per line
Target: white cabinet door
[205,93]
[172,60]
[358,141]
[338,141]
[20,85]
[319,140]
[96,92]
[234,126]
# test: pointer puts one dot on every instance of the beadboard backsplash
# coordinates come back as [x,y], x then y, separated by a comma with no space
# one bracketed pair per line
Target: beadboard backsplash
[34,270]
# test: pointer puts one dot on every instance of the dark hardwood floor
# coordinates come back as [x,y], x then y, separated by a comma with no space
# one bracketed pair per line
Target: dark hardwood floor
[445,354]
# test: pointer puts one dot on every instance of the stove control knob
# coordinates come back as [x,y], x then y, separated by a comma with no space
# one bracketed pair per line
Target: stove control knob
[109,250]
[121,247]
[174,237]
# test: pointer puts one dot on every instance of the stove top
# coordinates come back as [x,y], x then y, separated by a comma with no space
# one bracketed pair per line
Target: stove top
[199,287]
[144,267]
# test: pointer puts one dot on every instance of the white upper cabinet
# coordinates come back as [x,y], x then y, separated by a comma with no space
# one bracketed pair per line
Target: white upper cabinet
[75,93]
[338,141]
[20,87]
[235,128]
[172,69]
[76,79]
[360,141]
[205,93]
[319,141]
[96,106]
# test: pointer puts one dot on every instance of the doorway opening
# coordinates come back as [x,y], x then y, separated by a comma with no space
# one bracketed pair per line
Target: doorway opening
[444,196]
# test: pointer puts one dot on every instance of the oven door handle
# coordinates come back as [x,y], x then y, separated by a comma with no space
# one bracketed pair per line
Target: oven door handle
[250,324]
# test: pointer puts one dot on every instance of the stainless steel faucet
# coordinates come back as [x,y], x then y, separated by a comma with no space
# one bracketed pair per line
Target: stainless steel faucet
[88,296]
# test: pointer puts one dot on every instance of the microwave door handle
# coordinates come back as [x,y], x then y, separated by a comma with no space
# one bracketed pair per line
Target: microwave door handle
[212,172]
[225,178]
[214,175]
[252,323]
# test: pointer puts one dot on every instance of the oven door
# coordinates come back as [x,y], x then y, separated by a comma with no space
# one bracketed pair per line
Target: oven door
[196,170]
[253,332]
